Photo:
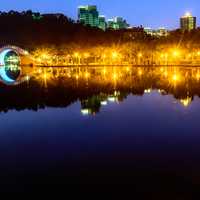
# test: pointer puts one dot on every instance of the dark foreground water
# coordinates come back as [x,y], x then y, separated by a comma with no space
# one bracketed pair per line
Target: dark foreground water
[134,129]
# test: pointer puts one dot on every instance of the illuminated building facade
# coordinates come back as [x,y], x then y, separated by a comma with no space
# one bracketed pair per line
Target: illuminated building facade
[117,23]
[88,15]
[102,22]
[188,22]
[160,32]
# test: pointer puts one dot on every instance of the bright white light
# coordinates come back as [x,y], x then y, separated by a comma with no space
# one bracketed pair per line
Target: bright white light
[111,99]
[147,91]
[85,112]
[188,14]
[104,103]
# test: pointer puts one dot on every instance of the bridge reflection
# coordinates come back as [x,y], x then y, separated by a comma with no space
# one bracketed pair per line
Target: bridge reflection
[94,87]
[12,75]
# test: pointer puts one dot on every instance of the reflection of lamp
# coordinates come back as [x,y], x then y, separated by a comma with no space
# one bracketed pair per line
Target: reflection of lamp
[86,111]
[104,103]
[186,102]
[111,99]
[147,91]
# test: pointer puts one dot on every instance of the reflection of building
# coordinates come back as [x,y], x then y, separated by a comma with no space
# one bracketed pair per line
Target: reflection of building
[117,23]
[88,15]
[10,74]
[160,32]
[93,104]
[188,22]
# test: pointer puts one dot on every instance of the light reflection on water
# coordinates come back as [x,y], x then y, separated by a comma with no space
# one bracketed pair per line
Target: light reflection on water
[95,87]
[125,118]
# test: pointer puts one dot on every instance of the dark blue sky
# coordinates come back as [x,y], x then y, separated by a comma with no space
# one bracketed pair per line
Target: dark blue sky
[152,13]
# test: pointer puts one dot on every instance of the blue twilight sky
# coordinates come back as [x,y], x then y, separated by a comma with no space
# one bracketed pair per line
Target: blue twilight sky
[152,13]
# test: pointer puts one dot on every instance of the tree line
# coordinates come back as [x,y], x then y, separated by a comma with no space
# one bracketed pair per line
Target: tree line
[31,30]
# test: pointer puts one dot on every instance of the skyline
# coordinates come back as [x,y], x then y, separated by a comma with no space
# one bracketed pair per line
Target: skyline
[153,14]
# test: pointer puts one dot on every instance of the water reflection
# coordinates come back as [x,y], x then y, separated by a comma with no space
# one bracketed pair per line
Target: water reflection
[10,73]
[94,87]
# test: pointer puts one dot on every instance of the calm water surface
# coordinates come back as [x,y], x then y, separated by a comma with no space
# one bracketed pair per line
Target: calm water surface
[132,126]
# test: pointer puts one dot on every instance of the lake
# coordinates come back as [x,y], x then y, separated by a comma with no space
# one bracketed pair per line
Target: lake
[132,126]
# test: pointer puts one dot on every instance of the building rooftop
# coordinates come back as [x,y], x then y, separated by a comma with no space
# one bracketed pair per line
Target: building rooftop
[187,14]
[88,7]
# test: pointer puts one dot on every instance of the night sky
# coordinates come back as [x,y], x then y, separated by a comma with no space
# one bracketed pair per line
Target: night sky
[153,13]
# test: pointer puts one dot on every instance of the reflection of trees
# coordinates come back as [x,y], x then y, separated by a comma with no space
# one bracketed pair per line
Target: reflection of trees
[60,87]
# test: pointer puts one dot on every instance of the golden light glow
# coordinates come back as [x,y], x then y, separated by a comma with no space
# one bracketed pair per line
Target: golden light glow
[39,71]
[166,74]
[198,76]
[115,55]
[175,77]
[115,76]
[127,69]
[76,55]
[77,77]
[45,56]
[45,76]
[186,102]
[164,55]
[179,81]
[86,55]
[87,75]
[104,56]
[176,53]
[140,72]
[104,71]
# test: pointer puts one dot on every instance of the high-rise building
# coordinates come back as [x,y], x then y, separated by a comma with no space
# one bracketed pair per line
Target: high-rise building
[88,15]
[111,24]
[102,22]
[188,22]
[117,23]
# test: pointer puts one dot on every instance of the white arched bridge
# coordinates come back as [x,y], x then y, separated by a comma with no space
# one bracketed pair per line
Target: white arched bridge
[12,55]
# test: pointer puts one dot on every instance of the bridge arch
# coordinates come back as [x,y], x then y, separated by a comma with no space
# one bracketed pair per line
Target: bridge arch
[11,54]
